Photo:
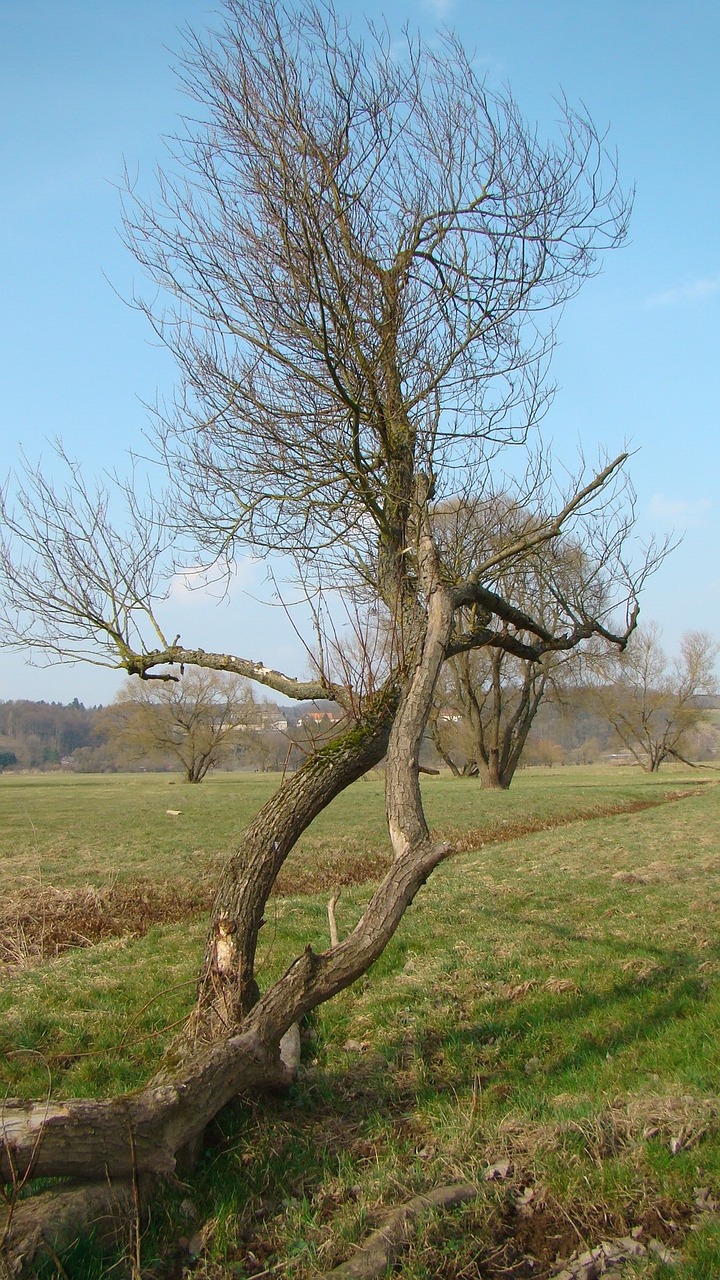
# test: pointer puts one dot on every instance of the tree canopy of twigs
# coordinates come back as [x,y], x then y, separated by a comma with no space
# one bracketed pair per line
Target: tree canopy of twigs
[358,254]
[654,704]
[361,265]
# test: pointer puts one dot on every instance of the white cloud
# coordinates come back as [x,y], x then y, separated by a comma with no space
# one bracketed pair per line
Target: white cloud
[197,585]
[692,292]
[439,10]
[679,510]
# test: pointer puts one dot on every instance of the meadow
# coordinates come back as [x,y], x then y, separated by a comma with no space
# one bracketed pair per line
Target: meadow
[545,1023]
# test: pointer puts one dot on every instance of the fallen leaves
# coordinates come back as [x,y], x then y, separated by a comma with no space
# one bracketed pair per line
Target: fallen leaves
[612,1254]
[705,1201]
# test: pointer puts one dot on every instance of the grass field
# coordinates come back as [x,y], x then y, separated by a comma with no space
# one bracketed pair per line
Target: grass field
[549,1008]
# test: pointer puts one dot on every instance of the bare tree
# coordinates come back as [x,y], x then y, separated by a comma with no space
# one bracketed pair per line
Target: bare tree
[487,698]
[358,255]
[654,705]
[196,720]
[485,707]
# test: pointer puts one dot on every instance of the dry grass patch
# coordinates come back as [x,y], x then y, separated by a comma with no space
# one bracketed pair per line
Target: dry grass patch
[41,923]
[44,922]
[679,1121]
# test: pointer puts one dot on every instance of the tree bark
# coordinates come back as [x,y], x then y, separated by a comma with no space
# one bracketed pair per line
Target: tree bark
[227,987]
[491,778]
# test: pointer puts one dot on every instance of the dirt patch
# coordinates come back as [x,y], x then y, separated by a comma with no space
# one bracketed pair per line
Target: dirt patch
[529,1243]
[531,1236]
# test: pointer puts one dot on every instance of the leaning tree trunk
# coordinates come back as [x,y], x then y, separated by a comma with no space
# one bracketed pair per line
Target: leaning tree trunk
[115,1150]
[227,987]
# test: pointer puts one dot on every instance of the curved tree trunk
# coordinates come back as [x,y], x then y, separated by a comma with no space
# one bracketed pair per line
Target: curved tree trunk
[131,1139]
[227,987]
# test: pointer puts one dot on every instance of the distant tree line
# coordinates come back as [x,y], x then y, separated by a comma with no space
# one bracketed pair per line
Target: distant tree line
[493,713]
[42,734]
[161,727]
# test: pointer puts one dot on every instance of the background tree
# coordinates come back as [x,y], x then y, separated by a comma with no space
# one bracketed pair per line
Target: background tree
[199,720]
[486,703]
[357,254]
[487,698]
[653,705]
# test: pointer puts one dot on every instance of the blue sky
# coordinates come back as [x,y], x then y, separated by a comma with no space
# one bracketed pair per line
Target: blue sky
[86,87]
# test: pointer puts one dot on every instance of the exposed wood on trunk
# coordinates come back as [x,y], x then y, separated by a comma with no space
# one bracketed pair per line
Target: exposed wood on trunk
[332,921]
[327,337]
[141,1133]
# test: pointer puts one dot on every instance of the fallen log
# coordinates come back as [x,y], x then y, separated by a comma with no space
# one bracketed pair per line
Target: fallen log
[54,1220]
[385,1245]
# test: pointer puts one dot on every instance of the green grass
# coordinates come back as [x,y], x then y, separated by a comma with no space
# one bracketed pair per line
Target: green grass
[553,1000]
[66,830]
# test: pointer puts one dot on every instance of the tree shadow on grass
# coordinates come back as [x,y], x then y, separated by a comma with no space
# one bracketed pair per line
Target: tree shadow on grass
[298,1159]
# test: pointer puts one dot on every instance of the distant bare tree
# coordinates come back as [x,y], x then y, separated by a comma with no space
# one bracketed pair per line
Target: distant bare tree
[653,705]
[487,698]
[486,704]
[197,720]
